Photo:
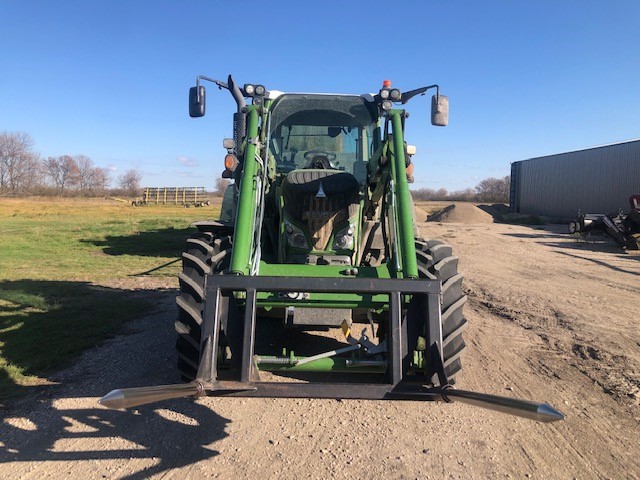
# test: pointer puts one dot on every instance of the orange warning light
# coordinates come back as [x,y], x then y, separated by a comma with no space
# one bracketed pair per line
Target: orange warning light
[230,162]
[410,168]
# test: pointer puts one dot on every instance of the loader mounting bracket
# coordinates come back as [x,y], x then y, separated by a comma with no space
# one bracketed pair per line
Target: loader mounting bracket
[425,302]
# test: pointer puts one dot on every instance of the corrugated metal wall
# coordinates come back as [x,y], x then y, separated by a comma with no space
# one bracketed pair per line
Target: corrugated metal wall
[596,180]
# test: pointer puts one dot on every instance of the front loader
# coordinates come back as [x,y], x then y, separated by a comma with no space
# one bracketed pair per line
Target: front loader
[317,250]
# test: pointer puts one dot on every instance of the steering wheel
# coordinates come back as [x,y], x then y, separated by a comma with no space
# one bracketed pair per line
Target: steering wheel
[319,159]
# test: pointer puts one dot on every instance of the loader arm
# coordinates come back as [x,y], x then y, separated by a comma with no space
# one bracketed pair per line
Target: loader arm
[246,217]
[399,186]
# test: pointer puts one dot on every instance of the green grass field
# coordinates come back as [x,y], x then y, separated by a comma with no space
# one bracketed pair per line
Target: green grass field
[59,263]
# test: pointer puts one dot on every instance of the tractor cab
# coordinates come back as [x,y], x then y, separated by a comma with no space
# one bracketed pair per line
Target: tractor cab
[320,146]
[336,132]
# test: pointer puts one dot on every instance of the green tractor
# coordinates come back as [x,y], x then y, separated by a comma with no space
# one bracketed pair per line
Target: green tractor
[317,233]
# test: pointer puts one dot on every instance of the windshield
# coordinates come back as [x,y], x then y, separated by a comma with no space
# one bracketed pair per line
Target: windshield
[336,130]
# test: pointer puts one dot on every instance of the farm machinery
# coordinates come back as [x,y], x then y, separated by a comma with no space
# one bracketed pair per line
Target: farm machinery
[318,250]
[624,228]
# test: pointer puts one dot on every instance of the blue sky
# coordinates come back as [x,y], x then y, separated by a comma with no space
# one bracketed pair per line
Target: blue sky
[110,79]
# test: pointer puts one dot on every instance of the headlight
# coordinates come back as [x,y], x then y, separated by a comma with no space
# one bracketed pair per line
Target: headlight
[260,90]
[386,105]
[384,94]
[249,89]
[395,94]
[295,236]
[344,239]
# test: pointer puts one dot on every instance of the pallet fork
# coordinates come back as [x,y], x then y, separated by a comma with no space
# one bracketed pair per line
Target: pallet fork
[399,384]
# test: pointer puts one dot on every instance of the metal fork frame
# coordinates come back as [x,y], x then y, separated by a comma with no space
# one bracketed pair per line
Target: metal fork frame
[431,386]
[425,298]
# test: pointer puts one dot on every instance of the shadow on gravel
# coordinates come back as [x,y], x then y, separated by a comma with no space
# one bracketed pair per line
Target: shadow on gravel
[496,210]
[63,425]
[604,246]
[542,234]
[44,325]
[166,242]
[599,262]
[172,435]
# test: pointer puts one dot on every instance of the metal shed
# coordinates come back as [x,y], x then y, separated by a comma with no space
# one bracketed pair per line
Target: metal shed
[594,180]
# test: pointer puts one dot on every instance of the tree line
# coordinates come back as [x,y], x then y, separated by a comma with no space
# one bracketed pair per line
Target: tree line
[494,190]
[24,172]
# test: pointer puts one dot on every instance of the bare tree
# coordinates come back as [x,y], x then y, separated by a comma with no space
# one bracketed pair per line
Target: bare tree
[63,172]
[494,190]
[19,165]
[23,172]
[221,186]
[90,177]
[424,194]
[464,195]
[100,180]
[130,181]
[428,194]
[86,171]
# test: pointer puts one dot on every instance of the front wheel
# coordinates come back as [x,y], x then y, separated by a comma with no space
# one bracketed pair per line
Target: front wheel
[437,262]
[205,253]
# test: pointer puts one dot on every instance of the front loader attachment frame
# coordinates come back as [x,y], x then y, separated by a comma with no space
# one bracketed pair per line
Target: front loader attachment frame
[399,385]
[425,297]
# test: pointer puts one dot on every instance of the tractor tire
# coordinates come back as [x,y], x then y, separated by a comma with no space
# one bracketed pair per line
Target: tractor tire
[205,253]
[437,262]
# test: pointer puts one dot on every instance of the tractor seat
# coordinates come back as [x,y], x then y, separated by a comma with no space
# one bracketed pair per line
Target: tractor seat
[306,182]
[320,198]
[304,185]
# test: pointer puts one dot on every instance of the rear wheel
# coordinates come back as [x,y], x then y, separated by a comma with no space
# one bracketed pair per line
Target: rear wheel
[205,253]
[437,262]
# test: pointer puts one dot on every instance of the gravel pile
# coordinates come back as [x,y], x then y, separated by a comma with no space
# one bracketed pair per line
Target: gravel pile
[460,213]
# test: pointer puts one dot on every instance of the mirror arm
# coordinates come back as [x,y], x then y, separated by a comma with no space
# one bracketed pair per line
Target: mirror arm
[219,83]
[406,96]
[235,91]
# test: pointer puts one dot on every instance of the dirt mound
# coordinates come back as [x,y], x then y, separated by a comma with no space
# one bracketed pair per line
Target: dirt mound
[420,214]
[496,210]
[460,213]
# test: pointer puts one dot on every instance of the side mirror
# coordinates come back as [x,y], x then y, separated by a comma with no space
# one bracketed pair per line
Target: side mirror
[196,101]
[439,111]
